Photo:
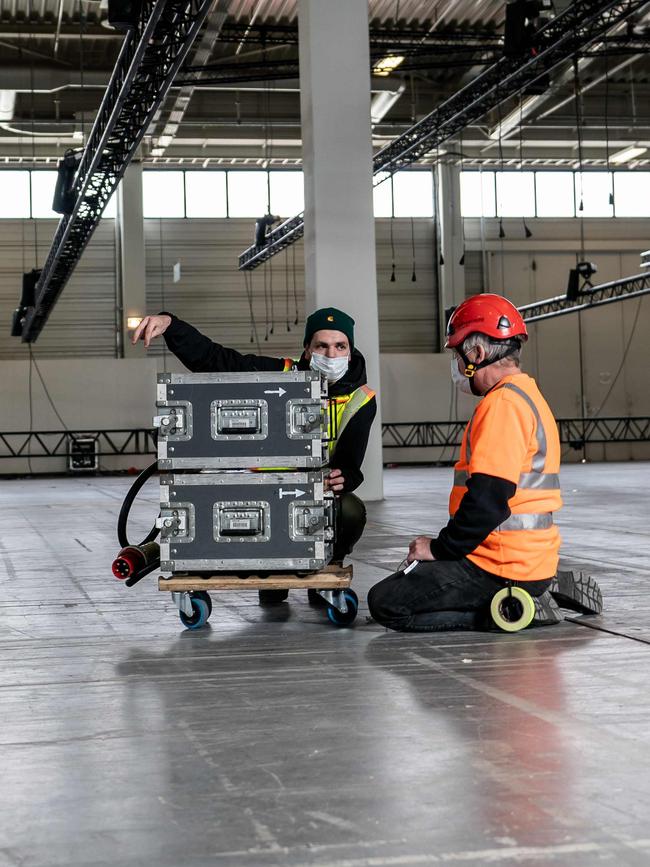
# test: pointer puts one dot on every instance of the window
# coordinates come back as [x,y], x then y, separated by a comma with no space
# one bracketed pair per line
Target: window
[593,190]
[14,195]
[110,211]
[205,193]
[248,194]
[163,194]
[555,195]
[382,196]
[413,194]
[43,184]
[632,194]
[287,193]
[477,198]
[515,194]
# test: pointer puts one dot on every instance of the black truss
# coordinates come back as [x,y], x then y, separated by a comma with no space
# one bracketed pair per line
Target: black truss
[230,70]
[582,23]
[575,432]
[149,59]
[595,296]
[54,444]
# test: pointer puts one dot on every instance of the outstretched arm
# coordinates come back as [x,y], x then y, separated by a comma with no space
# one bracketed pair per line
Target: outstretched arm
[196,351]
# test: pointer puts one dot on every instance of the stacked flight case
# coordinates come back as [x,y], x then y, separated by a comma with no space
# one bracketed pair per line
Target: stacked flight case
[242,496]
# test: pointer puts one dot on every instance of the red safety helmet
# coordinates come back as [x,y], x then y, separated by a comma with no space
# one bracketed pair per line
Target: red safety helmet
[489,314]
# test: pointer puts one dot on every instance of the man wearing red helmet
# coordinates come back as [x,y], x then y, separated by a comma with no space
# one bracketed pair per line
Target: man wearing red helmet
[506,490]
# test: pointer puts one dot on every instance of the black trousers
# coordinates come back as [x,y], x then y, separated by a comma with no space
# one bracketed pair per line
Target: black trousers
[350,523]
[439,595]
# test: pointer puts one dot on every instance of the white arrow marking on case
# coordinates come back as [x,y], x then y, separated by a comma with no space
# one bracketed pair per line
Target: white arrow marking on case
[278,391]
[295,493]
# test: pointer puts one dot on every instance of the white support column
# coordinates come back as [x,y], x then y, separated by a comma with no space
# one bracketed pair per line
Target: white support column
[130,227]
[452,273]
[340,268]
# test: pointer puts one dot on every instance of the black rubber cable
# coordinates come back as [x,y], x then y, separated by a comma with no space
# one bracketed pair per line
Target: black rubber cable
[133,492]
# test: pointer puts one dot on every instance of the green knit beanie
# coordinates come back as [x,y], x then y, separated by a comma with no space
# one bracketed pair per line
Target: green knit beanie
[329,319]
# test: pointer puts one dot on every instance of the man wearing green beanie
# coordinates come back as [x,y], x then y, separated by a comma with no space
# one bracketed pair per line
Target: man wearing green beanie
[328,347]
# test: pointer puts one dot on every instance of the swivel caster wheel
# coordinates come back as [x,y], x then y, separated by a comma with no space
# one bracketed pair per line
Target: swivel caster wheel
[512,609]
[345,618]
[201,610]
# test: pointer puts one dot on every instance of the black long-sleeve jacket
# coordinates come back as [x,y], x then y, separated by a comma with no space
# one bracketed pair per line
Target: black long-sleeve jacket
[201,355]
[482,509]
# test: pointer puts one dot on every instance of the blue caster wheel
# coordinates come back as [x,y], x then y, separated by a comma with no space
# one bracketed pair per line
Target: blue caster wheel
[201,610]
[338,618]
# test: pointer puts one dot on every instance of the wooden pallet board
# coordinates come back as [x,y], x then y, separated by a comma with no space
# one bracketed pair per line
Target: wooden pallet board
[329,578]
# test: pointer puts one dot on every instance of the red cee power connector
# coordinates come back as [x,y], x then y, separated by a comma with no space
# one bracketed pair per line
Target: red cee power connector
[135,559]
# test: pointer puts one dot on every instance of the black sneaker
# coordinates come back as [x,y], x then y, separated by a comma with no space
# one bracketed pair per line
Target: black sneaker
[577,591]
[547,612]
[272,597]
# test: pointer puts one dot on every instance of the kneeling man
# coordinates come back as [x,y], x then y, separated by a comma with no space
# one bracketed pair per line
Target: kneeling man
[505,493]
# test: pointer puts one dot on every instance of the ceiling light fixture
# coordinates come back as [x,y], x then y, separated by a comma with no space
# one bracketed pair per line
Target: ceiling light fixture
[387,65]
[627,155]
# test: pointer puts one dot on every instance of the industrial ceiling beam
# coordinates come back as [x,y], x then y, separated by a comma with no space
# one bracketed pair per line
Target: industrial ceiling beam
[201,54]
[149,59]
[595,296]
[582,22]
[388,37]
[231,70]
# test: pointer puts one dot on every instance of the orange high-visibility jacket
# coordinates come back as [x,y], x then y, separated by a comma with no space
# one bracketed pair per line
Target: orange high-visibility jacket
[513,435]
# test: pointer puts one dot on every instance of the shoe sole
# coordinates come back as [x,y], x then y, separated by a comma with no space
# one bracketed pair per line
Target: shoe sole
[547,612]
[578,592]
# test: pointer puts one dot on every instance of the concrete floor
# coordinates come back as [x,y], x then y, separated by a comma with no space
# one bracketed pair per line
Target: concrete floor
[272,738]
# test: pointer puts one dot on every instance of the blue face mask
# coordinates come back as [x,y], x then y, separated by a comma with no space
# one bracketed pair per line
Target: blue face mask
[333,368]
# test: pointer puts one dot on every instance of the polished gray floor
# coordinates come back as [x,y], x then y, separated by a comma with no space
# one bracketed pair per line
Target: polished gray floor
[272,738]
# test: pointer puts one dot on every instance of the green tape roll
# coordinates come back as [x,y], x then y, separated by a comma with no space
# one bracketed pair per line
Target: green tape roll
[512,609]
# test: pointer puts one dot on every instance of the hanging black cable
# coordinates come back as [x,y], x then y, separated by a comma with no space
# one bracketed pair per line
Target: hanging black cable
[123,517]
[51,400]
[527,231]
[437,198]
[392,240]
[81,73]
[413,277]
[578,116]
[286,283]
[31,411]
[295,282]
[248,283]
[266,302]
[578,113]
[607,163]
[32,118]
[502,232]
[162,286]
[621,366]
[271,296]
[461,262]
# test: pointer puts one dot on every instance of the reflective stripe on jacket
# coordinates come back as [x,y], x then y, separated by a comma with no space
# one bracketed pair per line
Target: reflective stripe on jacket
[513,435]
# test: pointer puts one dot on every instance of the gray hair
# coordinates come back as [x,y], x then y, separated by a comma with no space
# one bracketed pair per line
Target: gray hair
[494,349]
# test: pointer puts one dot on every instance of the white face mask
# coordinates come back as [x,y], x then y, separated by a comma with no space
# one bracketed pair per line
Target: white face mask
[459,379]
[333,368]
